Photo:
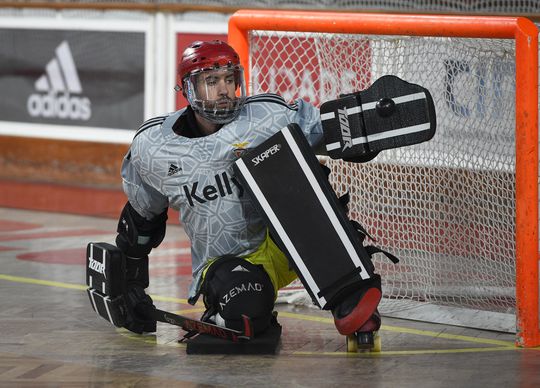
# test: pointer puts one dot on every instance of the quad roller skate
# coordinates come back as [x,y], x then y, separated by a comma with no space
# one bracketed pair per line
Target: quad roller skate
[367,338]
[357,318]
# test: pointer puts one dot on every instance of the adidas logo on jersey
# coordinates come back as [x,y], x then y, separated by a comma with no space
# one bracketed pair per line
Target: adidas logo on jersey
[54,97]
[173,169]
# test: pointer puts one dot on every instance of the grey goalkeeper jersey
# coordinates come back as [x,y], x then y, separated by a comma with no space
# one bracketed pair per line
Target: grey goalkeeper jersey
[195,176]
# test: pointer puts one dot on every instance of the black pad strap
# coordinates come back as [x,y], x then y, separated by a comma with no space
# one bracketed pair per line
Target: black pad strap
[360,229]
[372,250]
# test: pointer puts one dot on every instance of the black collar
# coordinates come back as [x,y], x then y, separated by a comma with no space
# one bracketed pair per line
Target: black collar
[186,125]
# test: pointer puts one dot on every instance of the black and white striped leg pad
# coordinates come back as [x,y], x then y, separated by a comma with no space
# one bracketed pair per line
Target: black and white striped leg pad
[304,214]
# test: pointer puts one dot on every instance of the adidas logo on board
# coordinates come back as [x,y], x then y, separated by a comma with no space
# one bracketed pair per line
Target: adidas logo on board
[55,88]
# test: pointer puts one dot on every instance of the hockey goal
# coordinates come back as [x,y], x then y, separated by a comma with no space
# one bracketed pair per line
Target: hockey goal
[461,211]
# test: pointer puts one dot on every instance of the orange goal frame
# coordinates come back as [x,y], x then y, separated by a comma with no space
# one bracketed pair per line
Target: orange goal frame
[525,34]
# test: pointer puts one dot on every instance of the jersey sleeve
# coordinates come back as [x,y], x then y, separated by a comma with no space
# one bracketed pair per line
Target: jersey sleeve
[144,198]
[307,116]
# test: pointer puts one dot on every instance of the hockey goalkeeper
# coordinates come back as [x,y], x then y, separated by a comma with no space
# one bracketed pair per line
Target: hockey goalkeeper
[183,160]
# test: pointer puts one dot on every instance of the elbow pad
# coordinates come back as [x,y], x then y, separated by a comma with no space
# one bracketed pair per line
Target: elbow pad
[137,235]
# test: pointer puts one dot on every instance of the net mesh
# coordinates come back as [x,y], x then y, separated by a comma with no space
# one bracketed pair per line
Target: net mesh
[446,207]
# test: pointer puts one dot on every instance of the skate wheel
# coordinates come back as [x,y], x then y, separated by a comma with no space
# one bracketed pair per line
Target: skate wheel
[352,343]
[365,340]
[377,343]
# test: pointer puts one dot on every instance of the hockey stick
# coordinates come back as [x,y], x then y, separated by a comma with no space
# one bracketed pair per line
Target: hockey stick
[194,326]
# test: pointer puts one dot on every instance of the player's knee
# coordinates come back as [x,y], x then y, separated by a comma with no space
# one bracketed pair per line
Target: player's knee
[234,287]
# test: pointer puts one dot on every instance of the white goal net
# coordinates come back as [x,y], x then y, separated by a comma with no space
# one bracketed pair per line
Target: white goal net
[446,207]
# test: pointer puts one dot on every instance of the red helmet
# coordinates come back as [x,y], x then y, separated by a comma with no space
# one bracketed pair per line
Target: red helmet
[202,62]
[199,56]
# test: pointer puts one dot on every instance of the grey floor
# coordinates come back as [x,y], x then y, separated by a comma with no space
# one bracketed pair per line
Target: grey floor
[50,336]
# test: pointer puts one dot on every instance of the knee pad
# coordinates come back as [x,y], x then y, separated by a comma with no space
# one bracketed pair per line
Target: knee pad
[234,287]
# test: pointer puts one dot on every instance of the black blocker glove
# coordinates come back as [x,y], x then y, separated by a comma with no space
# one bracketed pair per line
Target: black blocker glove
[138,303]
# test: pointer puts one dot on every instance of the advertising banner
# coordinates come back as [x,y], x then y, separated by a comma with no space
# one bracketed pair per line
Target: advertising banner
[308,66]
[76,78]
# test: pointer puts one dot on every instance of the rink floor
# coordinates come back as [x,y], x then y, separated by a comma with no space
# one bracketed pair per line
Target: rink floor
[50,335]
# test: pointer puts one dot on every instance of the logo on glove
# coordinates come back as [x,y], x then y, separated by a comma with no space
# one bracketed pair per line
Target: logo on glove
[345,128]
[96,266]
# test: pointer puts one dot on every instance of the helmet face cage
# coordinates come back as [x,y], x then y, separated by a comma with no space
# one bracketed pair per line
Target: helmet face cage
[217,93]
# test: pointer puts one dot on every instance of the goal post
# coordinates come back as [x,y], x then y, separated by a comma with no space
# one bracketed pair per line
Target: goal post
[430,172]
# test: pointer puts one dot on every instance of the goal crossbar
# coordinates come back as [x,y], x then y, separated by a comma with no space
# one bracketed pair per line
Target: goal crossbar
[525,35]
